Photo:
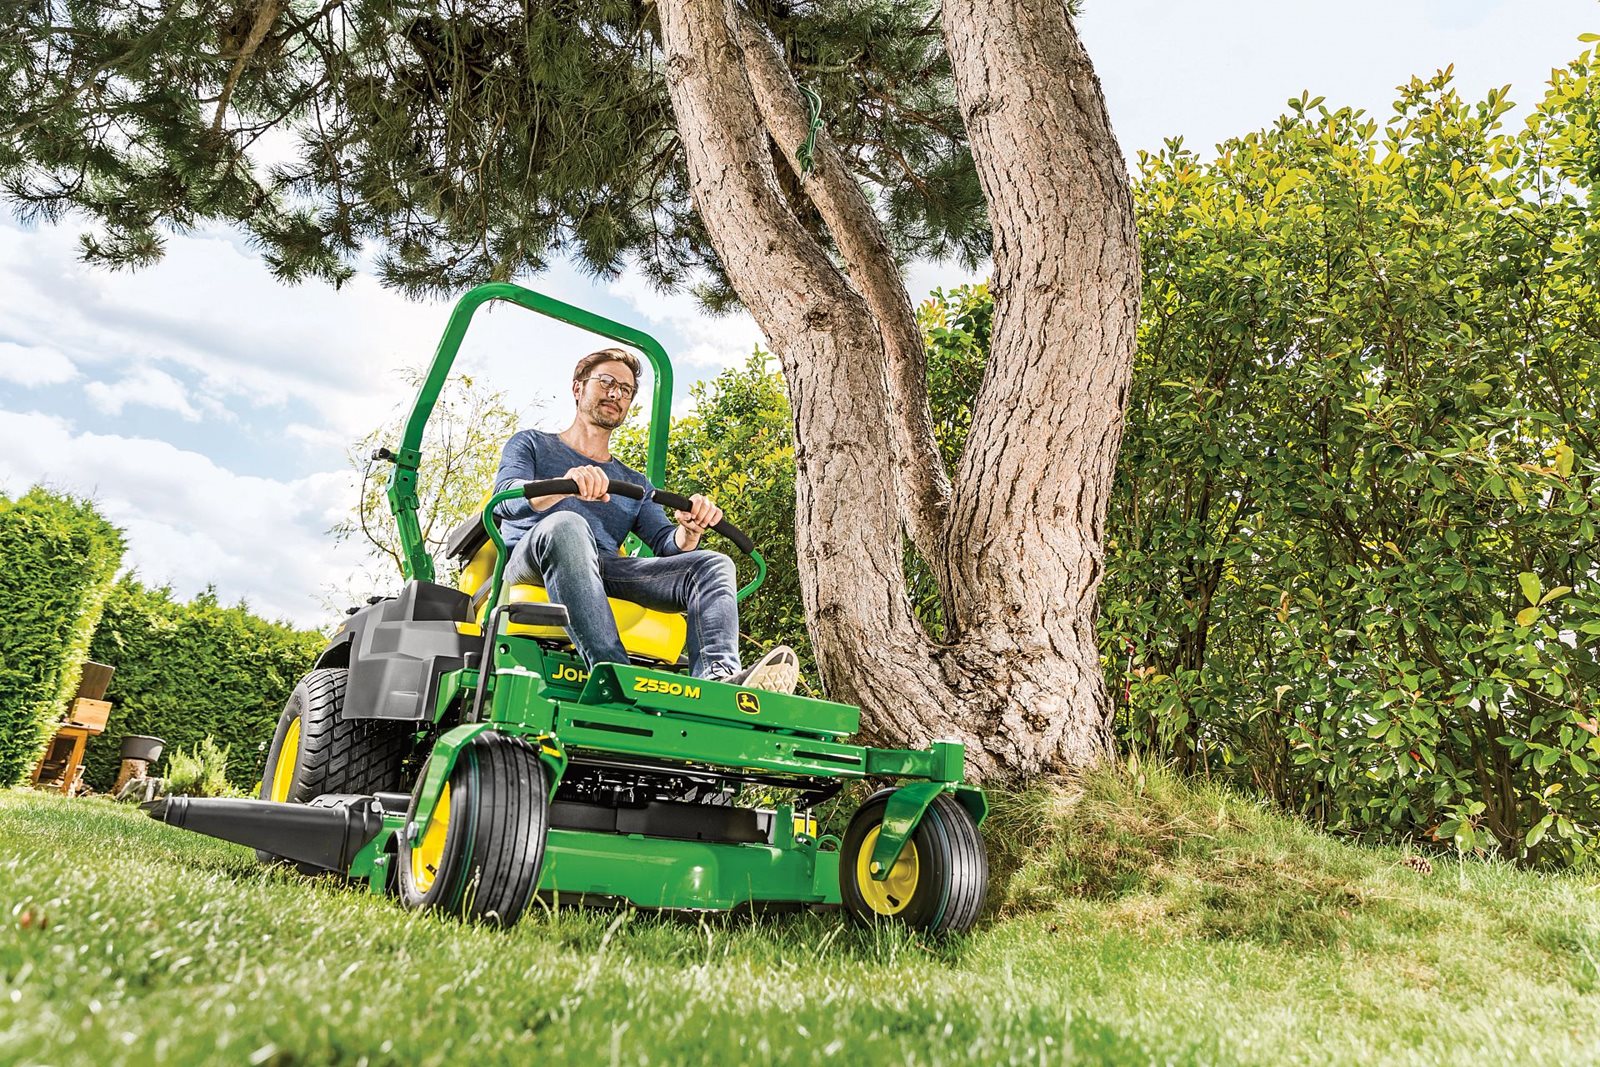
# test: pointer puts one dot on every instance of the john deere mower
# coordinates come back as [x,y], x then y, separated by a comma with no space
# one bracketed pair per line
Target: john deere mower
[450,747]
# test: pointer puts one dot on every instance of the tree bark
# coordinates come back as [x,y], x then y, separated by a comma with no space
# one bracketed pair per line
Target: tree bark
[1018,678]
[924,483]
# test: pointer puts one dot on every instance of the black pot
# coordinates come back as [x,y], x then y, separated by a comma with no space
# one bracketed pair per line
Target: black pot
[136,746]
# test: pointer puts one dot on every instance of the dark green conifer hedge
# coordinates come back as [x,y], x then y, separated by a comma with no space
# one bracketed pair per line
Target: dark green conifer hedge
[58,557]
[188,671]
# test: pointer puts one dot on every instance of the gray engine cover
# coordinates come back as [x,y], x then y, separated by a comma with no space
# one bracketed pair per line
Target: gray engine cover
[399,648]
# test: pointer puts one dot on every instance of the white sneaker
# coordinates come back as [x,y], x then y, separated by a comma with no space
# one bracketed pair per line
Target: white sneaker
[776,672]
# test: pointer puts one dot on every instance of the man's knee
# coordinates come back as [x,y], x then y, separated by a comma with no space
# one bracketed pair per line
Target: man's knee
[561,538]
[716,568]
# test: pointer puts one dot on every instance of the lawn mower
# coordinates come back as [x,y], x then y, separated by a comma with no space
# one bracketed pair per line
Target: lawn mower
[449,746]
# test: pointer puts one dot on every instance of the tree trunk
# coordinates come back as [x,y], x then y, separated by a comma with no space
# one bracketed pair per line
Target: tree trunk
[1019,549]
[924,483]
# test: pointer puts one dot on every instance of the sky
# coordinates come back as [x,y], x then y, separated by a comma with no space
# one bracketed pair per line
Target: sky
[208,409]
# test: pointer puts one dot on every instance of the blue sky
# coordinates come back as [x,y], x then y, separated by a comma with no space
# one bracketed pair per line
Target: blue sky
[208,409]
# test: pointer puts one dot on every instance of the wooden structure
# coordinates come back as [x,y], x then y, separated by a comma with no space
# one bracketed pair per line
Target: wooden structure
[62,763]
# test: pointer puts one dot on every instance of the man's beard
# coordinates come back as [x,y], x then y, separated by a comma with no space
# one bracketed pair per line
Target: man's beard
[603,418]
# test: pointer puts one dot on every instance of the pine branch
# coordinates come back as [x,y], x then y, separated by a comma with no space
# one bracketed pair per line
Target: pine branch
[265,16]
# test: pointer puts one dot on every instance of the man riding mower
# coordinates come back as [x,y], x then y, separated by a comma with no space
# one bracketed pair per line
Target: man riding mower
[467,748]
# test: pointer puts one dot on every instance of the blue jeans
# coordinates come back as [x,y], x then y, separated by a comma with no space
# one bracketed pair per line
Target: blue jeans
[560,553]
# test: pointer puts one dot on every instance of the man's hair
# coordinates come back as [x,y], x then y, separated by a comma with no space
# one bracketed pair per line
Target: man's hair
[606,355]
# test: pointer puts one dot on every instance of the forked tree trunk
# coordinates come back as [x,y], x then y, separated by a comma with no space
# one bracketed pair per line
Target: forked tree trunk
[1019,546]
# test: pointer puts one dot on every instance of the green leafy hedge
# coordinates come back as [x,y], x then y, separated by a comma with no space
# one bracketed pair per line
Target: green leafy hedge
[1353,556]
[189,671]
[58,558]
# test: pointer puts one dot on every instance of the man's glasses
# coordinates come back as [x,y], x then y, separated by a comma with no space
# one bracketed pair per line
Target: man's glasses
[608,383]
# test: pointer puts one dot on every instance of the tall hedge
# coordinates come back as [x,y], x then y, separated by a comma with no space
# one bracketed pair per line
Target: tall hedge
[58,557]
[1353,556]
[186,671]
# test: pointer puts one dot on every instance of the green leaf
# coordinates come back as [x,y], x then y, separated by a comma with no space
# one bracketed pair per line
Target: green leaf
[1536,834]
[1530,586]
[1564,460]
[1526,616]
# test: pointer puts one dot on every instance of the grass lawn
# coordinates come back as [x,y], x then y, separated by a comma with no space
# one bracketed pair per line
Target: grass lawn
[1139,919]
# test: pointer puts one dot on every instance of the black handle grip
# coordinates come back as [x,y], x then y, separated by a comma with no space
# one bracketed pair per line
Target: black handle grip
[725,528]
[566,486]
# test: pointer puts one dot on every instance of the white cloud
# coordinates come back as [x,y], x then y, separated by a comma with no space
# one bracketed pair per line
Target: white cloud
[189,521]
[147,387]
[328,442]
[34,365]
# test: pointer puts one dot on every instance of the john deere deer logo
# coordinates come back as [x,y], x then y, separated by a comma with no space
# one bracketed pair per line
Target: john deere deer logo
[748,703]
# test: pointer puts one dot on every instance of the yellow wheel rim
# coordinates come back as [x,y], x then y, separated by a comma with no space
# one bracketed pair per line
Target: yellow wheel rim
[890,896]
[288,762]
[428,855]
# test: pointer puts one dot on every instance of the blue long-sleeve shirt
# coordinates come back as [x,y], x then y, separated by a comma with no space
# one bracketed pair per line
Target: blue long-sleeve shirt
[532,455]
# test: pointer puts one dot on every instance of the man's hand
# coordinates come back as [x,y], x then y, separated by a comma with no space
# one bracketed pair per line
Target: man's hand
[696,521]
[592,485]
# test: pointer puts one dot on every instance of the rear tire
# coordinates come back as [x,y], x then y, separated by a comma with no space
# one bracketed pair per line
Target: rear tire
[482,853]
[315,751]
[936,885]
[330,754]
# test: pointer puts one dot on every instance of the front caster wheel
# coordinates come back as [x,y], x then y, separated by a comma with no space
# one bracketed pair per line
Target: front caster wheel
[482,851]
[937,884]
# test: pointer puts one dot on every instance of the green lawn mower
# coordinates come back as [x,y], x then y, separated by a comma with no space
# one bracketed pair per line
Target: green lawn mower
[451,748]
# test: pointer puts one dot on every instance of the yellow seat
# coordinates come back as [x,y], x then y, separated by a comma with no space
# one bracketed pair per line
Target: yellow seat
[657,635]
[646,633]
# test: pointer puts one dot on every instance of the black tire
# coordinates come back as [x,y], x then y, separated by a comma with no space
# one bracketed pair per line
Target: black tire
[331,754]
[484,863]
[949,875]
[334,755]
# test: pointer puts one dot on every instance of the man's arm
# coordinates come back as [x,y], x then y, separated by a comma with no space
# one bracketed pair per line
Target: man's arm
[518,466]
[693,524]
[655,530]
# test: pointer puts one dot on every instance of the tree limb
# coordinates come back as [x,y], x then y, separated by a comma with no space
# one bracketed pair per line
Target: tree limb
[923,483]
[265,16]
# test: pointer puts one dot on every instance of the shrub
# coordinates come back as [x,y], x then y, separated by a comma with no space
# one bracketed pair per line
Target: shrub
[58,558]
[188,672]
[201,771]
[1352,553]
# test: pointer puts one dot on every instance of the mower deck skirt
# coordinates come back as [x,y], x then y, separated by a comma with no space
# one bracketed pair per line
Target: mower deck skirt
[654,872]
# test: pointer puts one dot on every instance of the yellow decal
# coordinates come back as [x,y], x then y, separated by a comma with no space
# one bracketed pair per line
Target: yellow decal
[748,703]
[657,685]
[564,673]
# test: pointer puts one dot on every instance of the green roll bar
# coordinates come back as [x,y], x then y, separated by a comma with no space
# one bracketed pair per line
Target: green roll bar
[402,493]
[414,559]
